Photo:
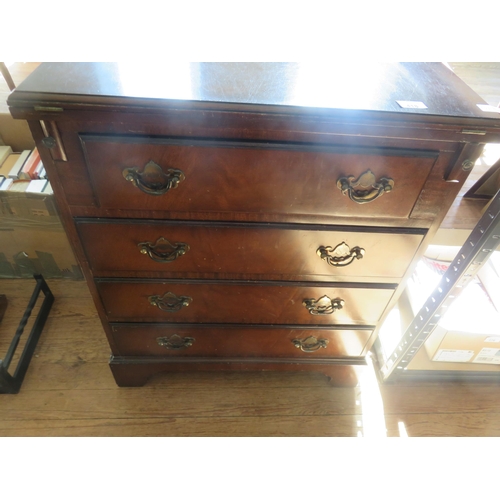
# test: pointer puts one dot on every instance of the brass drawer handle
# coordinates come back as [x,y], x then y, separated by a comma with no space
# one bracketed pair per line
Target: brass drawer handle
[175,342]
[311,344]
[170,302]
[340,256]
[323,305]
[163,250]
[365,188]
[152,180]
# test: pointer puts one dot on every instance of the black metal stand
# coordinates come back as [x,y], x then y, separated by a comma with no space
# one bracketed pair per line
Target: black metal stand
[11,384]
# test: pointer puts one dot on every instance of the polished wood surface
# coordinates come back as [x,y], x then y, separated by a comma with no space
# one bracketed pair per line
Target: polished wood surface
[69,391]
[287,252]
[243,302]
[293,85]
[237,340]
[80,192]
[242,177]
[137,372]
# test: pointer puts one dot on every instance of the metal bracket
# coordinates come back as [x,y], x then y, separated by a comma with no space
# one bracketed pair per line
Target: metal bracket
[464,163]
[483,240]
[11,384]
[53,140]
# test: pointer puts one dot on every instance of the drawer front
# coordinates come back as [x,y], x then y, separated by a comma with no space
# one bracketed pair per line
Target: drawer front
[227,177]
[229,341]
[219,302]
[289,253]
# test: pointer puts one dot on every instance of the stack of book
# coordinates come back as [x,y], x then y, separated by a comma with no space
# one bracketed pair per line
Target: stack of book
[24,188]
[23,172]
[32,237]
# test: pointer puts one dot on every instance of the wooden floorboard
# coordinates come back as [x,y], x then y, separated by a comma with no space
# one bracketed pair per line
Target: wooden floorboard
[342,426]
[482,77]
[19,72]
[69,391]
[459,424]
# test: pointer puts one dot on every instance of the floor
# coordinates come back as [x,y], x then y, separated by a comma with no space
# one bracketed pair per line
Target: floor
[482,77]
[69,391]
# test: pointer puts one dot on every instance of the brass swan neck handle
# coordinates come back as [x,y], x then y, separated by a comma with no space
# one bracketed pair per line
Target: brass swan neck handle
[152,180]
[365,188]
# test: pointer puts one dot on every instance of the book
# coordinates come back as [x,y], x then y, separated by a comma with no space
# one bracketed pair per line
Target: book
[39,170]
[14,172]
[4,187]
[6,184]
[8,163]
[5,151]
[36,186]
[18,186]
[28,170]
[48,189]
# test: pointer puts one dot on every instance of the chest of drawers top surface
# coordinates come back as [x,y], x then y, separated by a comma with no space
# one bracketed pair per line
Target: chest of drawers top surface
[287,87]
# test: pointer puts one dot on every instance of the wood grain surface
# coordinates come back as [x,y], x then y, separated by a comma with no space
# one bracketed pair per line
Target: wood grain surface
[222,176]
[238,341]
[247,251]
[243,302]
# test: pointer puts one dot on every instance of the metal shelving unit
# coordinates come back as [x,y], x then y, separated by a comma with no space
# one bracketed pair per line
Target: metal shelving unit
[483,240]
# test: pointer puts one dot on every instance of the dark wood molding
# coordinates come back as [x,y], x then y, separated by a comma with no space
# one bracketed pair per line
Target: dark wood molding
[326,284]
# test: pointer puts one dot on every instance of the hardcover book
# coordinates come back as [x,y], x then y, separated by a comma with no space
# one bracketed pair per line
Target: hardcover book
[8,163]
[5,151]
[30,165]
[16,169]
[36,186]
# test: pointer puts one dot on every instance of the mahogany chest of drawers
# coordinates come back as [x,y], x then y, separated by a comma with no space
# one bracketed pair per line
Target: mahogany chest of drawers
[250,216]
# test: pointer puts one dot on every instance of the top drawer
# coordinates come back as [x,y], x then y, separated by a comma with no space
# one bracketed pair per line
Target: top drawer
[200,176]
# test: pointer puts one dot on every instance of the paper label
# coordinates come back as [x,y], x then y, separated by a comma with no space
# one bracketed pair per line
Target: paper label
[44,213]
[453,355]
[488,108]
[413,104]
[488,355]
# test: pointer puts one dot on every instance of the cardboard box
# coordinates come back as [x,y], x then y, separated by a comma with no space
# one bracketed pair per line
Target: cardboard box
[469,331]
[27,204]
[35,244]
[421,361]
[463,347]
[448,341]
